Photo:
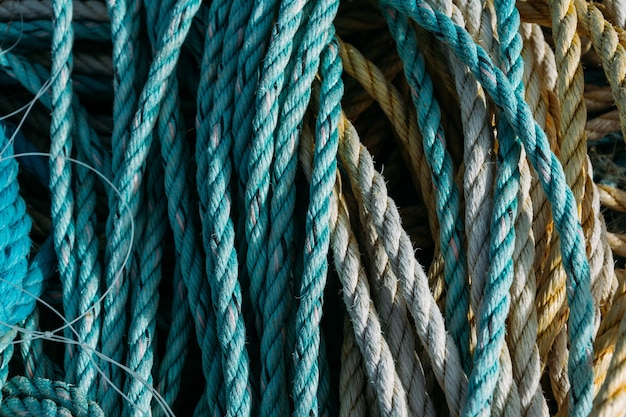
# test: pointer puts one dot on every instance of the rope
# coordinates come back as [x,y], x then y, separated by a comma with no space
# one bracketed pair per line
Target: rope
[44,397]
[312,208]
[448,210]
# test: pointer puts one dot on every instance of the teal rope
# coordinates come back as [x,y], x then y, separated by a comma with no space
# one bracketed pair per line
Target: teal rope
[551,176]
[491,317]
[62,206]
[249,60]
[171,367]
[33,78]
[213,178]
[37,34]
[442,172]
[179,181]
[276,308]
[318,232]
[145,297]
[89,275]
[42,397]
[6,353]
[16,303]
[128,179]
[175,155]
[261,149]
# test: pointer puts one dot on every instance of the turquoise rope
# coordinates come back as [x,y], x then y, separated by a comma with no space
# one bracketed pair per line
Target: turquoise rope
[317,239]
[14,250]
[14,245]
[42,397]
[179,181]
[550,174]
[144,292]
[171,367]
[37,34]
[251,53]
[33,78]
[128,179]
[494,309]
[89,274]
[62,205]
[277,291]
[261,149]
[442,172]
[213,179]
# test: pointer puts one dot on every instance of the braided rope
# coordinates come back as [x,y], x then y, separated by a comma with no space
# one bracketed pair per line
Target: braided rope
[62,205]
[552,282]
[404,120]
[495,306]
[606,337]
[144,294]
[611,398]
[522,321]
[609,42]
[391,308]
[550,174]
[352,380]
[128,178]
[213,178]
[602,125]
[377,358]
[441,349]
[89,268]
[34,9]
[506,400]
[448,209]
[44,397]
[264,308]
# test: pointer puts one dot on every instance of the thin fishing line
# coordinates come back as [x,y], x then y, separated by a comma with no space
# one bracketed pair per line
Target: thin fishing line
[126,209]
[51,334]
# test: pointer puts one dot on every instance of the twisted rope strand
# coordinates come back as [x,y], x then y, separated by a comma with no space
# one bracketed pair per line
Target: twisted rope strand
[392,311]
[352,379]
[552,177]
[145,296]
[62,205]
[213,178]
[128,179]
[377,359]
[448,198]
[402,117]
[428,320]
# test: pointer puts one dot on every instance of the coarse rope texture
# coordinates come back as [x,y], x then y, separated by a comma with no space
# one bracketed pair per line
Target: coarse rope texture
[313,208]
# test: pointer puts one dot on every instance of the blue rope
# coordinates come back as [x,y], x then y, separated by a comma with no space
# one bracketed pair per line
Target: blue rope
[16,305]
[442,172]
[550,174]
[89,274]
[496,301]
[62,206]
[145,297]
[309,314]
[42,397]
[213,179]
[128,179]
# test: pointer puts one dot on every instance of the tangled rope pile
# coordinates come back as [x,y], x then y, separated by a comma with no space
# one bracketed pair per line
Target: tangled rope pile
[236,207]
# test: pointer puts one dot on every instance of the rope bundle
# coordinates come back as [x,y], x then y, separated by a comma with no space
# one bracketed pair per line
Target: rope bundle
[393,208]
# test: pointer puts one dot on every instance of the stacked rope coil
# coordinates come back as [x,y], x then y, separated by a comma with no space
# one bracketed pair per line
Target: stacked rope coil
[313,208]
